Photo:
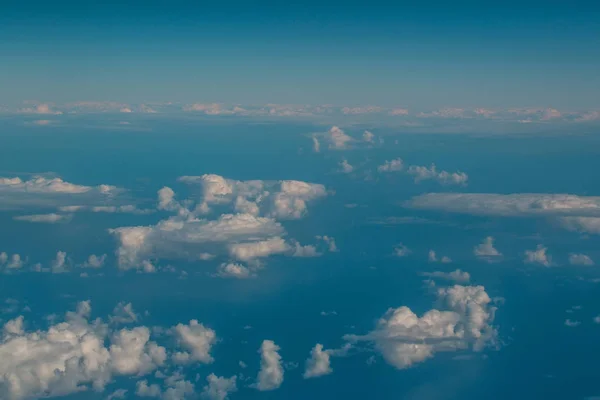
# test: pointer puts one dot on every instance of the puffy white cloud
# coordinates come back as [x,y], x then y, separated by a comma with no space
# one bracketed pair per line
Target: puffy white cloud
[39,191]
[14,326]
[94,261]
[457,276]
[219,388]
[581,224]
[432,257]
[318,364]
[580,259]
[60,263]
[571,323]
[12,263]
[403,338]
[368,137]
[125,209]
[270,376]
[521,204]
[41,108]
[345,167]
[538,256]
[486,250]
[51,218]
[394,165]
[252,250]
[145,390]
[190,238]
[305,251]
[281,199]
[337,138]
[123,314]
[197,340]
[132,353]
[231,270]
[330,241]
[401,250]
[444,177]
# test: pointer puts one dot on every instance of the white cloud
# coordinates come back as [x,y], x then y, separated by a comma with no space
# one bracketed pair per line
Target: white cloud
[457,276]
[44,218]
[337,138]
[318,364]
[345,167]
[123,314]
[252,250]
[403,338]
[219,388]
[190,238]
[60,263]
[394,165]
[432,257]
[41,108]
[40,192]
[330,241]
[444,177]
[401,250]
[132,353]
[316,145]
[94,261]
[14,326]
[305,251]
[368,137]
[285,199]
[270,376]
[571,323]
[580,259]
[12,263]
[486,250]
[521,204]
[125,110]
[538,256]
[231,270]
[117,394]
[581,224]
[145,390]
[197,340]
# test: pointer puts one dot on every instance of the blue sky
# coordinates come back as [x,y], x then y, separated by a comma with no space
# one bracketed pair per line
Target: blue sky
[299,201]
[465,54]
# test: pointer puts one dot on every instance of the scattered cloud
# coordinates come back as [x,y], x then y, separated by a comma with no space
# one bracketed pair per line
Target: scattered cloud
[457,276]
[271,372]
[391,166]
[219,388]
[318,364]
[197,340]
[538,256]
[44,218]
[486,250]
[337,138]
[580,259]
[231,270]
[345,167]
[432,257]
[444,177]
[514,205]
[401,251]
[403,338]
[589,225]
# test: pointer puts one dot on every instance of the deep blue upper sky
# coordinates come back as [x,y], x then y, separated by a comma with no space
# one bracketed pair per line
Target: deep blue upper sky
[464,54]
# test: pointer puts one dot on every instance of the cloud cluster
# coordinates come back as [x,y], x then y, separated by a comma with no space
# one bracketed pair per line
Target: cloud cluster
[404,338]
[486,250]
[270,375]
[421,173]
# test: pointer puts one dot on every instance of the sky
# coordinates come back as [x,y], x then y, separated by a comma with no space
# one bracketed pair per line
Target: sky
[253,201]
[463,54]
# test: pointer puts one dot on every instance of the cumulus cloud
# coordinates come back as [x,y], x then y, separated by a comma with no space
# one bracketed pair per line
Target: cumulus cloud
[421,173]
[330,241]
[580,259]
[432,257]
[280,199]
[270,376]
[391,166]
[538,256]
[123,314]
[219,388]
[231,270]
[318,364]
[94,261]
[60,263]
[486,250]
[305,251]
[252,250]
[51,218]
[457,276]
[368,137]
[316,145]
[13,262]
[71,356]
[345,167]
[404,338]
[41,108]
[337,138]
[517,205]
[581,224]
[42,192]
[401,250]
[197,340]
